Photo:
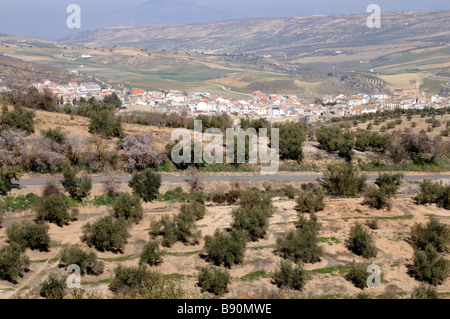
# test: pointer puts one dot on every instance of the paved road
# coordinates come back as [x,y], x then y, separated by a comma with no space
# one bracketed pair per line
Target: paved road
[302,177]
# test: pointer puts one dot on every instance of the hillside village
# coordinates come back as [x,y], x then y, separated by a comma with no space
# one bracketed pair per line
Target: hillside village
[274,107]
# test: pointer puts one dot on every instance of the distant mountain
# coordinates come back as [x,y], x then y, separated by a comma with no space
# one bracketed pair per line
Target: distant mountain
[282,38]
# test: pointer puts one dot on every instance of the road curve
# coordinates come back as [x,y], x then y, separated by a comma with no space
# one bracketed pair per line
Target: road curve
[302,177]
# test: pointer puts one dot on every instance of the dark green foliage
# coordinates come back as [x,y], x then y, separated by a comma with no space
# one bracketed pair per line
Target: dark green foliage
[302,245]
[434,233]
[86,259]
[146,185]
[195,209]
[106,233]
[289,276]
[434,192]
[6,175]
[361,242]
[113,99]
[372,141]
[55,135]
[128,207]
[77,187]
[343,180]
[334,139]
[377,198]
[104,122]
[29,235]
[226,248]
[428,266]
[292,136]
[54,209]
[358,274]
[389,182]
[140,283]
[252,217]
[17,119]
[214,280]
[12,262]
[289,191]
[151,254]
[372,224]
[311,200]
[53,288]
[424,292]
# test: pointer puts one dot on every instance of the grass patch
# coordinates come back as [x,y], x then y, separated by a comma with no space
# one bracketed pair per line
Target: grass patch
[339,269]
[330,240]
[255,276]
[118,259]
[381,217]
[18,203]
[183,254]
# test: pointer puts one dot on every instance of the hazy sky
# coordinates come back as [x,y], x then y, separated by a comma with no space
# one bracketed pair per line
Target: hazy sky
[46,19]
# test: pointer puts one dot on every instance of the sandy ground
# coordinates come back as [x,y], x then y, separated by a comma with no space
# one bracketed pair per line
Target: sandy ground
[395,254]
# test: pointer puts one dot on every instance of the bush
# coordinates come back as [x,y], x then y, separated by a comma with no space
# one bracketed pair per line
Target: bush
[434,233]
[290,277]
[343,180]
[372,223]
[377,198]
[128,207]
[28,235]
[54,209]
[424,292]
[360,242]
[140,151]
[253,221]
[195,209]
[289,192]
[12,262]
[334,139]
[226,248]
[105,123]
[50,188]
[55,135]
[17,119]
[151,254]
[139,283]
[358,274]
[53,288]
[429,266]
[310,201]
[214,280]
[106,234]
[390,182]
[434,192]
[77,187]
[87,260]
[292,136]
[6,175]
[146,185]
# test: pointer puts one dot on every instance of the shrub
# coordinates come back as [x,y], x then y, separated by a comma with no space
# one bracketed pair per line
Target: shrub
[29,235]
[372,223]
[140,151]
[334,139]
[146,185]
[377,198]
[50,188]
[290,277]
[12,262]
[343,180]
[105,123]
[310,201]
[139,283]
[429,266]
[301,245]
[41,154]
[292,136]
[434,192]
[87,260]
[6,175]
[214,280]
[390,182]
[54,209]
[358,274]
[226,248]
[360,242]
[424,292]
[128,207]
[53,288]
[195,209]
[289,192]
[434,233]
[55,135]
[254,198]
[253,221]
[106,234]
[17,119]
[77,187]
[151,254]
